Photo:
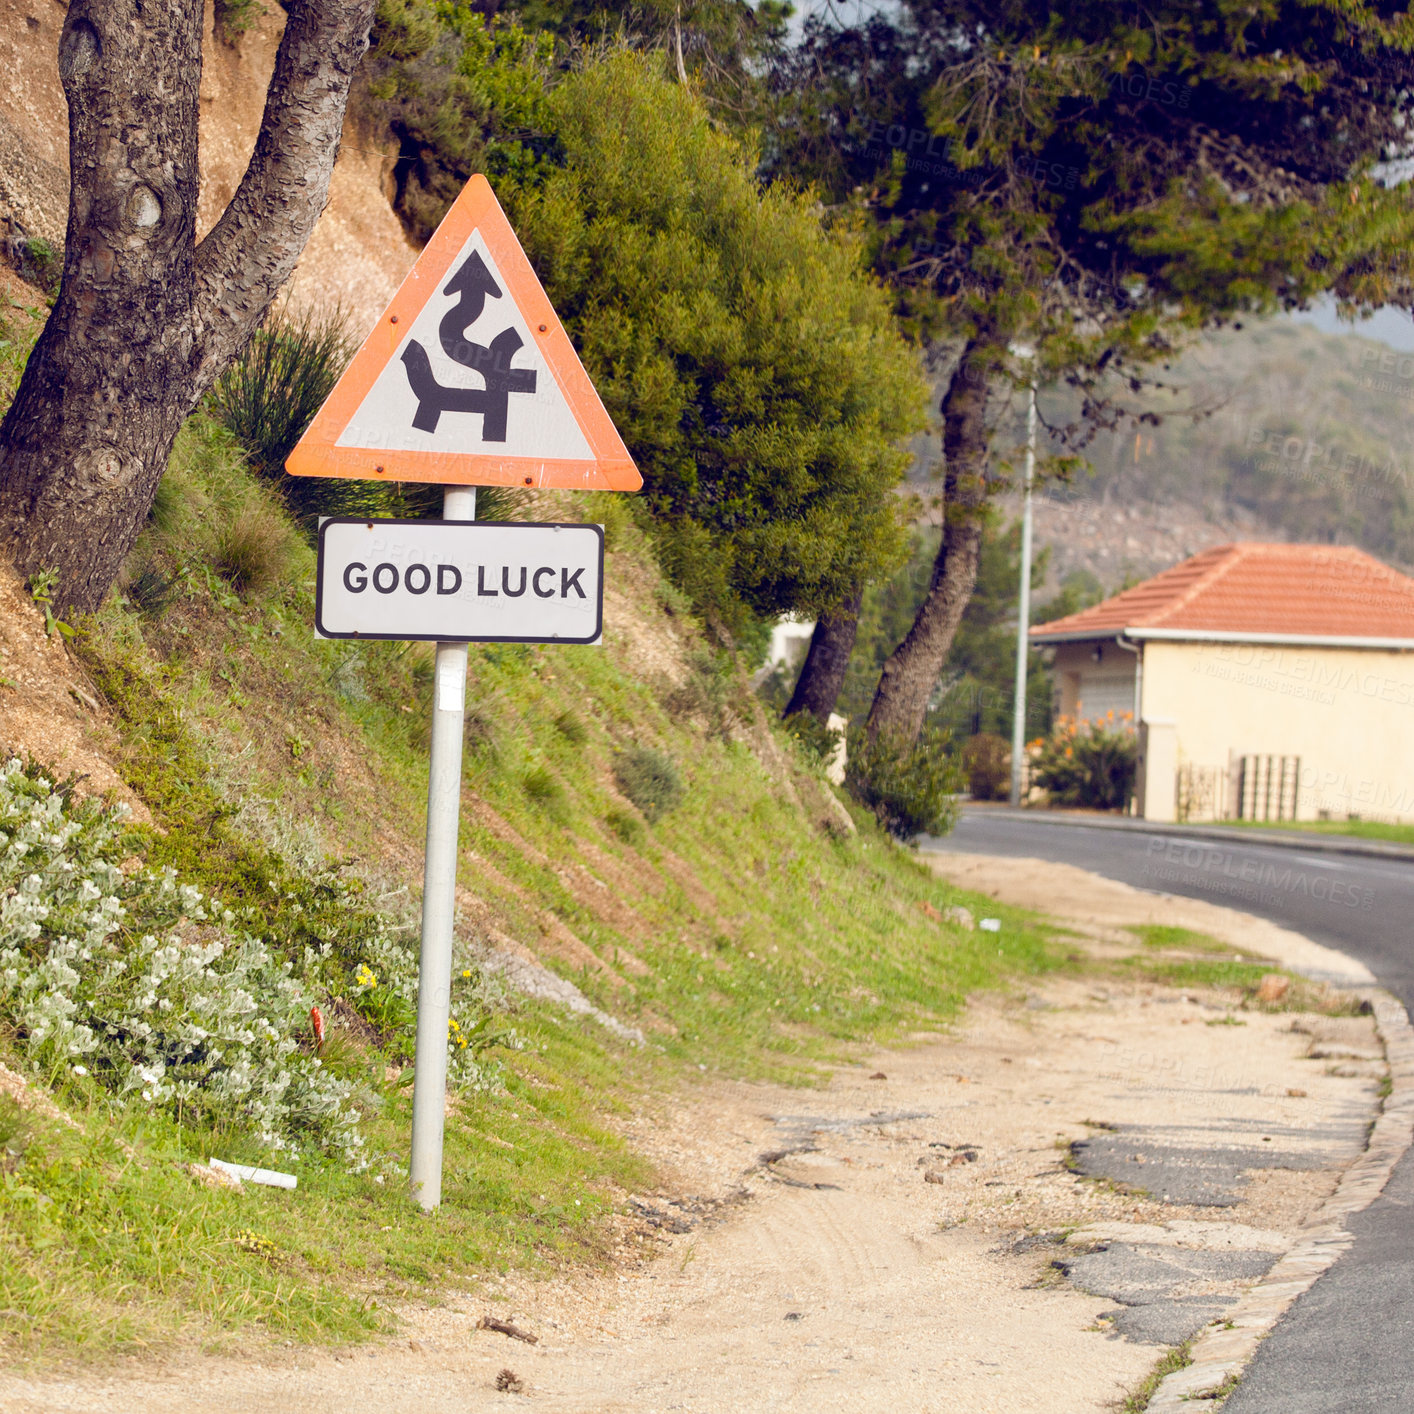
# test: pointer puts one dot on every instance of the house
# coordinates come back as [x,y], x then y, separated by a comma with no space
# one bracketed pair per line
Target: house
[1267,681]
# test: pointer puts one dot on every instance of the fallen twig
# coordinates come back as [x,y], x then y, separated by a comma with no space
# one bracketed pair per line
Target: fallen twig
[490,1323]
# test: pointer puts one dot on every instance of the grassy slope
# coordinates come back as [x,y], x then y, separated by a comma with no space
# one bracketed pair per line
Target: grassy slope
[740,934]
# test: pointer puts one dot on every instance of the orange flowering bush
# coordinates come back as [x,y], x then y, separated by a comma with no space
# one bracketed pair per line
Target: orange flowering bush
[1087,763]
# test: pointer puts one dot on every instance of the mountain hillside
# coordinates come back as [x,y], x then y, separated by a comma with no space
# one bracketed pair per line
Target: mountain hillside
[1300,435]
[1275,431]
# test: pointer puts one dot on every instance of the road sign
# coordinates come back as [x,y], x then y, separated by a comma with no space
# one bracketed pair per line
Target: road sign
[460,581]
[468,377]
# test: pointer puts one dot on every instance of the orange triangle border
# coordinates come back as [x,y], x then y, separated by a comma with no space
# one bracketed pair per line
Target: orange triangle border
[318,452]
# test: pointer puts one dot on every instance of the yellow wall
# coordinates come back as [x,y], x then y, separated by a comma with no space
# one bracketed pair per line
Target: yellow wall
[1348,713]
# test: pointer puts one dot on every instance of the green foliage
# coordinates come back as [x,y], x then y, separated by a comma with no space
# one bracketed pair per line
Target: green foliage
[111,1243]
[40,264]
[212,524]
[816,740]
[423,501]
[541,785]
[1089,764]
[268,396]
[1168,935]
[650,779]
[712,692]
[627,826]
[986,758]
[570,725]
[41,585]
[151,591]
[464,94]
[764,418]
[403,30]
[235,17]
[1358,829]
[909,785]
[463,85]
[19,327]
[139,982]
[384,1007]
[978,683]
[1137,1400]
[316,916]
[1034,170]
[769,947]
[253,550]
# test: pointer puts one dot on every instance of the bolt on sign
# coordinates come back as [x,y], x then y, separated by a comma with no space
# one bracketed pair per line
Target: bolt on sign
[468,379]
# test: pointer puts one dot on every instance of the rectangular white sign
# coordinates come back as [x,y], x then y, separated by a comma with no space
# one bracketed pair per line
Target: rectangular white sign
[460,581]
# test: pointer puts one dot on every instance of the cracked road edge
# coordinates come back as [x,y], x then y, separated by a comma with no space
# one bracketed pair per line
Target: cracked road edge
[1221,1352]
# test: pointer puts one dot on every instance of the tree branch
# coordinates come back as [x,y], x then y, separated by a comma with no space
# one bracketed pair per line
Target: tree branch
[252,250]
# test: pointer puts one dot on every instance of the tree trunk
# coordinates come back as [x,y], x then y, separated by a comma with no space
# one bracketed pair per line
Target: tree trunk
[817,689]
[146,317]
[910,674]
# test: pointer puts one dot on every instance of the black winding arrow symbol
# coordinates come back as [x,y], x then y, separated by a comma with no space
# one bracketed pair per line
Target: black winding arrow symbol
[472,283]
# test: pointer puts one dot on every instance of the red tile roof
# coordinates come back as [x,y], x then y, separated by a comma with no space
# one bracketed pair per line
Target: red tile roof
[1289,591]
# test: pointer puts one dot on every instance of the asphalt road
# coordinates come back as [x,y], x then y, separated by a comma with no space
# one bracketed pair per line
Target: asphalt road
[1347,1345]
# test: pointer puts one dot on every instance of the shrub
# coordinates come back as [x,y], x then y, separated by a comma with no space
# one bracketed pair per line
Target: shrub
[40,264]
[908,785]
[625,824]
[138,982]
[1088,764]
[268,396]
[541,785]
[987,760]
[150,591]
[570,725]
[650,780]
[817,742]
[710,693]
[765,419]
[423,501]
[235,17]
[252,550]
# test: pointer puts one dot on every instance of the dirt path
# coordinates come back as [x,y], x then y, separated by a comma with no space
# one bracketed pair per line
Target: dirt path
[915,1236]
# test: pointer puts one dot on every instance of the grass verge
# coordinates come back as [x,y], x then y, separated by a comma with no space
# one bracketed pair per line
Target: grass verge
[1355,829]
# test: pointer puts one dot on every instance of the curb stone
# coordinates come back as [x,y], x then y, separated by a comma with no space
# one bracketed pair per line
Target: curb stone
[1222,1350]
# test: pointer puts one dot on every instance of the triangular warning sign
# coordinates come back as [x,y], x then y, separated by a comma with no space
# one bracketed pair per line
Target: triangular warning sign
[468,377]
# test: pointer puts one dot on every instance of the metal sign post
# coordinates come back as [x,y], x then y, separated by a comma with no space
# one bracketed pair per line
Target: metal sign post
[439,894]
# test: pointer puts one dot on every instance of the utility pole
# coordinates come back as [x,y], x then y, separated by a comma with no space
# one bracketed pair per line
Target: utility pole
[1023,606]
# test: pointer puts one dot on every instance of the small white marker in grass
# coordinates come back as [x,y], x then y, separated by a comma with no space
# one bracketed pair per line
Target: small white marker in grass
[244,1173]
[990,925]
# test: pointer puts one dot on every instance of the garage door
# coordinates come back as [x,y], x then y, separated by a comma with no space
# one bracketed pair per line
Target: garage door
[1105,692]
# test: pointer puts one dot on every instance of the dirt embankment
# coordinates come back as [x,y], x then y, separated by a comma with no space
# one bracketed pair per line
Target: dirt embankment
[48,710]
[358,253]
